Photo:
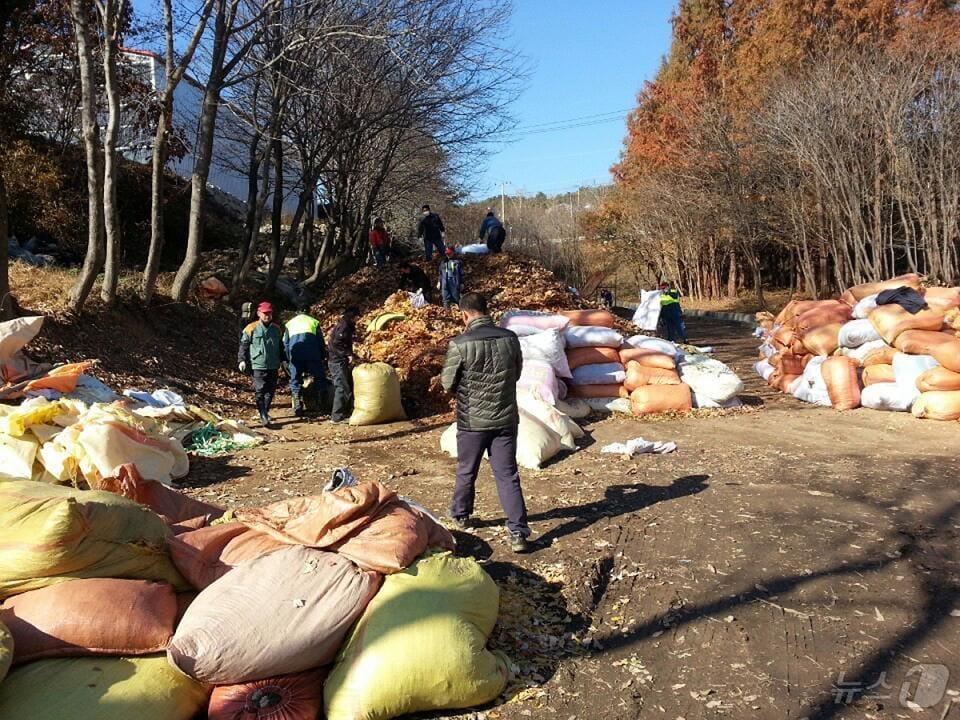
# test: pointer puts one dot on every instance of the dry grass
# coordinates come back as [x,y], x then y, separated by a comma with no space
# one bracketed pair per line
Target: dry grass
[776,299]
[42,290]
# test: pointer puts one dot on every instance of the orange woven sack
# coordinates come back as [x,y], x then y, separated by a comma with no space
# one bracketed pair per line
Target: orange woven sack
[938,378]
[178,510]
[785,381]
[859,292]
[942,298]
[937,405]
[577,357]
[843,384]
[874,374]
[298,696]
[948,355]
[784,336]
[660,398]
[822,340]
[96,616]
[639,375]
[881,356]
[207,554]
[791,364]
[825,312]
[921,342]
[652,360]
[597,318]
[792,309]
[606,390]
[367,523]
[891,320]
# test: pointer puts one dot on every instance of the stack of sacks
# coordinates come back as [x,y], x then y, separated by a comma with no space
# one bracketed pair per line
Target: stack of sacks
[883,356]
[593,354]
[652,380]
[95,574]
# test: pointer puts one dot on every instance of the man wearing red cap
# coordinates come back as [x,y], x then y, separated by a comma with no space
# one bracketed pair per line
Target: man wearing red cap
[262,353]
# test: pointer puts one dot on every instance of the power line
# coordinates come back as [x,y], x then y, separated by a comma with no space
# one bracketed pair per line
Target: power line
[617,113]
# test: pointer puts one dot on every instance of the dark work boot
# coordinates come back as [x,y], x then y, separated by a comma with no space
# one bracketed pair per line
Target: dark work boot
[297,405]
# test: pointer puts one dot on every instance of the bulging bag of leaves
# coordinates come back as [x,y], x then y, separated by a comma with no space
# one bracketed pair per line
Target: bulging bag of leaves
[887,396]
[864,306]
[99,616]
[547,346]
[611,390]
[710,379]
[582,336]
[6,651]
[420,645]
[937,405]
[907,369]
[204,555]
[289,697]
[599,374]
[651,399]
[880,356]
[597,318]
[282,613]
[101,688]
[577,357]
[948,355]
[942,298]
[843,384]
[536,443]
[874,374]
[609,404]
[639,375]
[921,342]
[938,378]
[367,523]
[855,333]
[573,407]
[653,344]
[550,416]
[822,339]
[891,320]
[376,395]
[858,292]
[824,312]
[811,387]
[540,377]
[50,534]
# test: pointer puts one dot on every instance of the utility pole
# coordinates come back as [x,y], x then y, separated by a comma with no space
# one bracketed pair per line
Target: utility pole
[503,215]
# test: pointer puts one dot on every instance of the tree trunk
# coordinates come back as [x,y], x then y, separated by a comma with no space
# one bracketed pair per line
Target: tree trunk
[160,145]
[91,142]
[6,299]
[111,217]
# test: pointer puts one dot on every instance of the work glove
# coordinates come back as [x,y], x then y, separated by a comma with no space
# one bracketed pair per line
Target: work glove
[243,366]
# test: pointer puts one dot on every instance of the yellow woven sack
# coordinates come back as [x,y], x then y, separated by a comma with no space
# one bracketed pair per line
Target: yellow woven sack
[6,651]
[376,395]
[101,688]
[420,645]
[50,533]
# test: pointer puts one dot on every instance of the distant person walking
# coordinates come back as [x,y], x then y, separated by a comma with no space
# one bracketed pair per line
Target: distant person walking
[492,232]
[671,313]
[482,366]
[451,279]
[380,242]
[307,355]
[262,353]
[341,355]
[431,231]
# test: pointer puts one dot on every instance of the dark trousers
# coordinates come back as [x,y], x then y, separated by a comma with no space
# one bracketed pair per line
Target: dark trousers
[495,243]
[342,389]
[502,446]
[299,371]
[380,256]
[451,294]
[673,323]
[430,245]
[264,387]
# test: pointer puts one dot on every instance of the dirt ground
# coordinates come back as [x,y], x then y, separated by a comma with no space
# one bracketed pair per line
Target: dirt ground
[786,562]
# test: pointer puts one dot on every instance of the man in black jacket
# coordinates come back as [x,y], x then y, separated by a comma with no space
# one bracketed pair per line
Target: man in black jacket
[483,366]
[431,230]
[413,278]
[339,353]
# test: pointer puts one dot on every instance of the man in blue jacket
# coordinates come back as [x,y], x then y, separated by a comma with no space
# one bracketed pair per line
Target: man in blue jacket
[262,353]
[307,354]
[492,232]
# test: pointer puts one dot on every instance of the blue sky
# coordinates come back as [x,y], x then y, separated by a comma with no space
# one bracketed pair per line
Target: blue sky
[589,60]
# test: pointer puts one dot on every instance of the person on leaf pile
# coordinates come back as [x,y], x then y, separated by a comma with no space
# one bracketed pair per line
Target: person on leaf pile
[341,353]
[482,366]
[379,242]
[262,353]
[430,230]
[413,278]
[451,279]
[492,232]
[307,355]
[671,313]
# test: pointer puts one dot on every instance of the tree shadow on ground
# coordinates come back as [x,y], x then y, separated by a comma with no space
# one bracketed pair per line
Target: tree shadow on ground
[617,500]
[417,428]
[206,471]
